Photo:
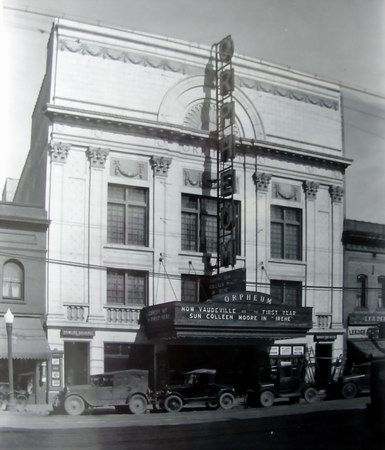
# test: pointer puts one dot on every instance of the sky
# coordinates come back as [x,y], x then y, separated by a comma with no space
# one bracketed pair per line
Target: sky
[336,40]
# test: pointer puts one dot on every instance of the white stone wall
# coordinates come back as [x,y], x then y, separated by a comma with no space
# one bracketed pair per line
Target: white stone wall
[105,82]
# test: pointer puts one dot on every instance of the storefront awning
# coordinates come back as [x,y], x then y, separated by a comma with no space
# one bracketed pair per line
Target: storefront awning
[234,320]
[28,339]
[369,349]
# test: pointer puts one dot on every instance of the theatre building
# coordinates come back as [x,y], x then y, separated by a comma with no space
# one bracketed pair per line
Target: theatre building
[124,157]
[23,231]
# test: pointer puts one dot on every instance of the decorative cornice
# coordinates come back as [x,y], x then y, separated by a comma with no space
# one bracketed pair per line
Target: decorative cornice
[117,54]
[97,157]
[262,180]
[175,133]
[336,193]
[160,165]
[59,151]
[310,188]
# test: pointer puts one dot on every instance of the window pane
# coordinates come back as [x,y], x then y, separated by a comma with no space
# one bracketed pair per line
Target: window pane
[136,225]
[115,223]
[12,280]
[189,231]
[136,289]
[209,234]
[115,287]
[115,192]
[276,213]
[292,214]
[292,294]
[189,202]
[292,242]
[276,291]
[276,240]
[137,195]
[209,206]
[189,289]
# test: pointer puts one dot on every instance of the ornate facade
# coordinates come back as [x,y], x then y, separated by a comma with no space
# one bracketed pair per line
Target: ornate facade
[126,168]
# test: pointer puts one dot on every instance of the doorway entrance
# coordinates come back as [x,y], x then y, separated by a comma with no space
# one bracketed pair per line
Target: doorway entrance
[76,362]
[323,354]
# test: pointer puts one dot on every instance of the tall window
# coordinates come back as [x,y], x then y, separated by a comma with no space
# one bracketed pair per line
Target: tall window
[127,215]
[362,296]
[199,224]
[13,280]
[287,292]
[286,233]
[195,288]
[381,294]
[126,287]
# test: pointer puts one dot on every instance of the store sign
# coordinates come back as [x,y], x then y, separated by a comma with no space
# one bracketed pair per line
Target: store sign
[77,333]
[325,337]
[363,319]
[232,314]
[231,281]
[359,332]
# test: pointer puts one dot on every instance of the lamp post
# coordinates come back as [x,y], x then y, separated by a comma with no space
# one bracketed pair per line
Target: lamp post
[8,317]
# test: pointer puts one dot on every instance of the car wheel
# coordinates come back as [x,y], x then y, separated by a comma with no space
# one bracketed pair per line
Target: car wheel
[74,405]
[266,399]
[310,395]
[212,405]
[137,404]
[349,390]
[226,400]
[173,403]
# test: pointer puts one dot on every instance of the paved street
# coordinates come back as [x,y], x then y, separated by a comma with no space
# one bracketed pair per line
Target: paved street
[324,425]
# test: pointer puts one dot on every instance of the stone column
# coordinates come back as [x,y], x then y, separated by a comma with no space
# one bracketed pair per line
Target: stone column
[162,204]
[310,219]
[97,226]
[262,238]
[58,152]
[337,195]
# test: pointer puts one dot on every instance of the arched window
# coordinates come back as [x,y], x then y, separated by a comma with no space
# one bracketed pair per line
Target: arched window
[363,295]
[13,280]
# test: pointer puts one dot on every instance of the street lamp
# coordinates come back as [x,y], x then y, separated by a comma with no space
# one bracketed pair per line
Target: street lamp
[8,317]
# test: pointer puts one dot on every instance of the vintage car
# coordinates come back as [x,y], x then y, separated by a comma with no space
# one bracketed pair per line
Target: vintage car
[287,382]
[126,390]
[356,381]
[199,387]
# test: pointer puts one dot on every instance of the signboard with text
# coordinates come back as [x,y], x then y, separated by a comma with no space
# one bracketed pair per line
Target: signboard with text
[177,318]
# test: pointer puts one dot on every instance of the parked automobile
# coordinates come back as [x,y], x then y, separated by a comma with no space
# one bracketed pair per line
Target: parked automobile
[286,382]
[199,387]
[126,390]
[356,381]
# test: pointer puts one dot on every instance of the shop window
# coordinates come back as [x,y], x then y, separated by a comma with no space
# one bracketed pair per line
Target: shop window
[381,293]
[362,296]
[286,233]
[199,224]
[13,280]
[286,292]
[126,287]
[195,288]
[127,217]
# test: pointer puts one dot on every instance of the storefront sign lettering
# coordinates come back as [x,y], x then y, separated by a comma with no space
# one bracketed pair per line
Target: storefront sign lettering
[363,319]
[77,333]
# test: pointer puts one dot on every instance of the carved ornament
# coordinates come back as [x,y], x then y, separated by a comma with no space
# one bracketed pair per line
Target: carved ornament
[262,180]
[284,191]
[336,193]
[310,188]
[160,165]
[97,157]
[59,151]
